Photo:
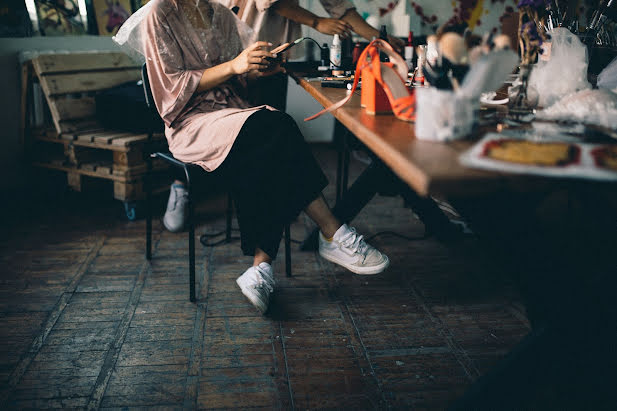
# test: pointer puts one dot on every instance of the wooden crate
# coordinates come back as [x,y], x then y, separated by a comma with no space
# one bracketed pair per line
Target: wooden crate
[69,82]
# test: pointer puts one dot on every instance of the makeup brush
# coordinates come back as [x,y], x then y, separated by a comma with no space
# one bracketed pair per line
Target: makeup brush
[501,42]
[453,48]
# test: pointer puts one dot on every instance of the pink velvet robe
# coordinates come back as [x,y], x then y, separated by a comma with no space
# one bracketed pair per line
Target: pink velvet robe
[200,127]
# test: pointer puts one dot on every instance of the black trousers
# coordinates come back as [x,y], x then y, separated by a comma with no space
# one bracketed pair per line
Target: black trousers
[271,90]
[272,176]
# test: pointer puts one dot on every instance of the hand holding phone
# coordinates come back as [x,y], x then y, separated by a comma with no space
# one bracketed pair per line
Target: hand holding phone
[283,48]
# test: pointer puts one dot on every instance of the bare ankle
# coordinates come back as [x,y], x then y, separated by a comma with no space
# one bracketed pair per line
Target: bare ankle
[330,230]
[261,257]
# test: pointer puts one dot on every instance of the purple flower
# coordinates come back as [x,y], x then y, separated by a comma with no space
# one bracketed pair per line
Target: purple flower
[533,4]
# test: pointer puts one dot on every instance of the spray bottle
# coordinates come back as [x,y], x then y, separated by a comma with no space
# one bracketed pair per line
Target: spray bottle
[335,53]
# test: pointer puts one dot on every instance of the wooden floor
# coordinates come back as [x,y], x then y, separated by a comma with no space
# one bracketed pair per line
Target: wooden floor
[86,321]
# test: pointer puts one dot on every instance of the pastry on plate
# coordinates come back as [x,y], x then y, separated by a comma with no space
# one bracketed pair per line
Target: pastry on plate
[605,157]
[546,154]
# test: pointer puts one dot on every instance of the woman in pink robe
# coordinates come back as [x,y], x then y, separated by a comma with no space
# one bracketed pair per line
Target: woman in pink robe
[199,71]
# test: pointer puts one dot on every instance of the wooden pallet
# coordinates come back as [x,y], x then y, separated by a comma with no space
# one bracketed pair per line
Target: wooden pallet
[69,82]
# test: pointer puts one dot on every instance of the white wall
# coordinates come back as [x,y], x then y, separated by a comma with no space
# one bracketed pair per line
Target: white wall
[301,105]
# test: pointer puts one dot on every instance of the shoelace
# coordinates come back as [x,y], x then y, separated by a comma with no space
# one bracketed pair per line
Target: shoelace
[262,280]
[180,198]
[355,242]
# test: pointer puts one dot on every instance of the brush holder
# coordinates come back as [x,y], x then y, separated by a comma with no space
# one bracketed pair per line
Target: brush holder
[443,115]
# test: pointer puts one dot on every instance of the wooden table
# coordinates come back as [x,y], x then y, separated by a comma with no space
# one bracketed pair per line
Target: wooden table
[558,247]
[427,167]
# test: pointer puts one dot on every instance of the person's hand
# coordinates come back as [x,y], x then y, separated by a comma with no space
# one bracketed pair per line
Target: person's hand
[277,50]
[274,65]
[397,44]
[252,58]
[270,71]
[332,27]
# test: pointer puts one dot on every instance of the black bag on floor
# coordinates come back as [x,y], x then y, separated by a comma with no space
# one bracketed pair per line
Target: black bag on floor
[124,108]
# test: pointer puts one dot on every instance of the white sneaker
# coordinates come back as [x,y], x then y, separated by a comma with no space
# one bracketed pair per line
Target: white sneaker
[348,249]
[177,208]
[257,283]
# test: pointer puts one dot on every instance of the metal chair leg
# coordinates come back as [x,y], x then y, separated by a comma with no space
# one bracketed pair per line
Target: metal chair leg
[345,165]
[191,221]
[339,144]
[339,174]
[228,215]
[148,185]
[287,251]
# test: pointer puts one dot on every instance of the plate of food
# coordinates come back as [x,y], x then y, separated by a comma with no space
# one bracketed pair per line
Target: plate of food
[536,153]
[605,157]
[522,154]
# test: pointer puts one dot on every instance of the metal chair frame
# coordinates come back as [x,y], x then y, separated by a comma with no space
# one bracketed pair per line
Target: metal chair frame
[187,168]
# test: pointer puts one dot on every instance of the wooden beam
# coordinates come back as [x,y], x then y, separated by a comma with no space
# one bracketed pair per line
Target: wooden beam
[58,84]
[75,62]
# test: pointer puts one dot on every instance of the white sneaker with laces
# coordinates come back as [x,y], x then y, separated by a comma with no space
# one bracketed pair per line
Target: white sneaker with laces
[348,249]
[257,283]
[177,208]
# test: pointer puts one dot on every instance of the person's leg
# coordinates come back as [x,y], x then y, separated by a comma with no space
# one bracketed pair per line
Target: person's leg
[273,177]
[261,257]
[342,245]
[292,181]
[320,213]
[176,212]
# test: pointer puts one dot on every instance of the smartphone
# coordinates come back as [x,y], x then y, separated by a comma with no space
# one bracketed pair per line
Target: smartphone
[287,47]
[279,50]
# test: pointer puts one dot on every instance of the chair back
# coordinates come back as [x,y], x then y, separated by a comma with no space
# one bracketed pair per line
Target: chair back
[147,89]
[149,102]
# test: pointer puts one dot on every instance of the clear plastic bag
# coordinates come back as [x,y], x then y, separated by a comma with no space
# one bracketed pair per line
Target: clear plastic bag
[488,73]
[566,71]
[598,107]
[607,79]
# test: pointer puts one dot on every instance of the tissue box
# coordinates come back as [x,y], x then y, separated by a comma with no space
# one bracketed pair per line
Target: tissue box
[443,115]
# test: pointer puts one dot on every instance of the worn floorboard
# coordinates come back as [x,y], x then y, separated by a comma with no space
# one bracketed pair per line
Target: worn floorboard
[85,321]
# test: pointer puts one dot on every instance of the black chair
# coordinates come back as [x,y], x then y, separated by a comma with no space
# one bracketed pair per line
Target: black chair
[188,169]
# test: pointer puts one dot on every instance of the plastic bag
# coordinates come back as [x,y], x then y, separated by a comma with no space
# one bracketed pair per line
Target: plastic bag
[488,73]
[607,79]
[566,71]
[597,107]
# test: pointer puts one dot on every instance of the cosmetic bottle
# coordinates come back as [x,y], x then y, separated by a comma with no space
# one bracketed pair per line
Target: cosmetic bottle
[421,51]
[324,59]
[383,35]
[335,54]
[355,55]
[409,52]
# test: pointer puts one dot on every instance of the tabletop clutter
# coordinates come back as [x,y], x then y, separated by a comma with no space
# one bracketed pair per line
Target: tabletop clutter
[551,122]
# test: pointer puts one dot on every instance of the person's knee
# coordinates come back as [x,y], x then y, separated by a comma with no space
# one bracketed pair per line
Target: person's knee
[281,128]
